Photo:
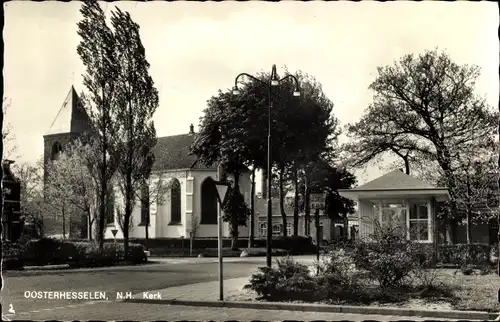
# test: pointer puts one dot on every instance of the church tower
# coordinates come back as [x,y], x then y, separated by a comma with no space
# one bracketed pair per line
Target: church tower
[69,124]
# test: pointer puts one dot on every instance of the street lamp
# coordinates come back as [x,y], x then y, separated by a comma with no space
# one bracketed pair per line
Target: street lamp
[274,81]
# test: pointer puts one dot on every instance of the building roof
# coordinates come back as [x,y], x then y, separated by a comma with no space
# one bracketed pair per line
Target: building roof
[72,117]
[395,180]
[173,152]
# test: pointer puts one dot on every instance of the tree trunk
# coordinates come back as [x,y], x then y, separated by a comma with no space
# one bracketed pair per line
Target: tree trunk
[307,209]
[296,203]
[63,222]
[282,199]
[251,235]
[407,165]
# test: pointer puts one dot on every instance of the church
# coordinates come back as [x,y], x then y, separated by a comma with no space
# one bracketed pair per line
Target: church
[189,204]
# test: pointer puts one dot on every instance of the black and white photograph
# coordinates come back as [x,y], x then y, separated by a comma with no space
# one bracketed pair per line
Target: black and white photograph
[213,161]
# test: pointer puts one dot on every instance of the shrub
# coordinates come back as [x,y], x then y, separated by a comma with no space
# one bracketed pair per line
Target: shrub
[467,269]
[388,257]
[290,280]
[461,254]
[338,277]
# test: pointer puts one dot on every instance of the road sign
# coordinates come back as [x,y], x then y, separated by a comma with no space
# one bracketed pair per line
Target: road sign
[317,200]
[114,231]
[221,190]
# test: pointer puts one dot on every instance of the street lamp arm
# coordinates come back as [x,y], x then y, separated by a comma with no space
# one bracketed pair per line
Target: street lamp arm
[249,76]
[294,79]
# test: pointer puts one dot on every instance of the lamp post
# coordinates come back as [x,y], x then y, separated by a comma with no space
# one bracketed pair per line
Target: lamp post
[274,81]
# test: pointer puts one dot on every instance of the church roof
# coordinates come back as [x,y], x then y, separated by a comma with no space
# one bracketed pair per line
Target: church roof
[395,180]
[72,117]
[173,152]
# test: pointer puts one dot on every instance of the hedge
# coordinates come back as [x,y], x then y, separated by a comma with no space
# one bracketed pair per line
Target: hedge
[48,251]
[459,254]
[294,245]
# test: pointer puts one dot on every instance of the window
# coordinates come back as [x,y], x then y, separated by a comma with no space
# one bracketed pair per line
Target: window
[175,202]
[393,215]
[289,229]
[277,229]
[56,151]
[208,202]
[263,229]
[145,205]
[419,222]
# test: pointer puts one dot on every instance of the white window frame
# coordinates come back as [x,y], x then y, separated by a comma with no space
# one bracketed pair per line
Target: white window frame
[406,206]
[289,229]
[263,229]
[428,219]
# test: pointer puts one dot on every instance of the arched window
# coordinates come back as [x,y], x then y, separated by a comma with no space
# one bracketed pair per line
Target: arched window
[208,202]
[175,202]
[56,151]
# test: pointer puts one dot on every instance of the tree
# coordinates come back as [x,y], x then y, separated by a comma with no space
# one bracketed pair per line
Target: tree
[71,182]
[33,204]
[137,100]
[9,144]
[97,52]
[236,212]
[476,190]
[425,107]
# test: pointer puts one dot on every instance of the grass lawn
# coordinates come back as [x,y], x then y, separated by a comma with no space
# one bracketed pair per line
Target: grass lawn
[473,292]
[460,292]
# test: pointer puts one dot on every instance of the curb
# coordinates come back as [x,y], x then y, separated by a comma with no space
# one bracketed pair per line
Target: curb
[461,315]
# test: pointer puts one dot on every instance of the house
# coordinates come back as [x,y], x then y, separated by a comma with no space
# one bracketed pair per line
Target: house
[326,225]
[190,201]
[12,224]
[398,199]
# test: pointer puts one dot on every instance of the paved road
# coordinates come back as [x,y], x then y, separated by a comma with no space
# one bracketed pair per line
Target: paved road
[133,279]
[151,312]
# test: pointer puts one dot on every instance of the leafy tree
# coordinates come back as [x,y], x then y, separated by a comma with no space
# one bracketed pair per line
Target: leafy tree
[236,212]
[137,100]
[98,54]
[425,107]
[221,141]
[476,187]
[33,204]
[72,184]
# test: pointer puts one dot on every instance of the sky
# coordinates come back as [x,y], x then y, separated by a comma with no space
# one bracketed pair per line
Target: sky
[197,48]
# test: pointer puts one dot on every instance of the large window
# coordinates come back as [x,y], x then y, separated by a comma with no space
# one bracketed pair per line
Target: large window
[175,202]
[208,202]
[393,216]
[419,222]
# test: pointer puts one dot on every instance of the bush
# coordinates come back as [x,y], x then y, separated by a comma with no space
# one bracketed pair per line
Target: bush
[290,280]
[389,257]
[338,277]
[462,254]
